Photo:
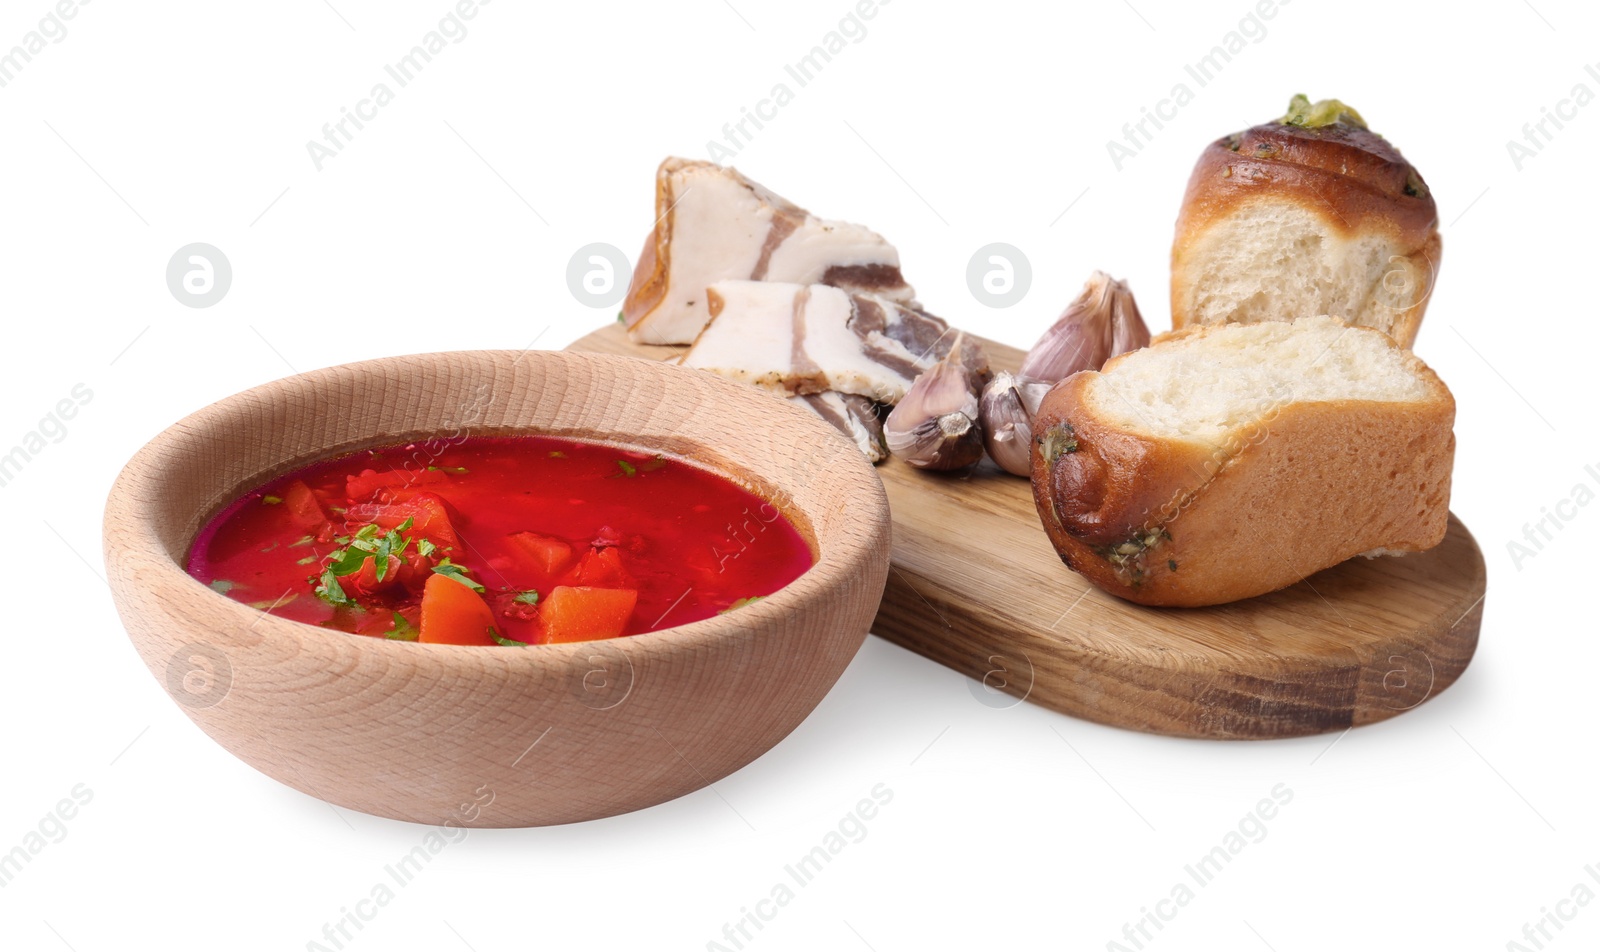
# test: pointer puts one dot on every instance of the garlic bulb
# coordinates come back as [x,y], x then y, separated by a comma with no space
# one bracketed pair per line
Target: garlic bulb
[935,425]
[1100,323]
[1006,411]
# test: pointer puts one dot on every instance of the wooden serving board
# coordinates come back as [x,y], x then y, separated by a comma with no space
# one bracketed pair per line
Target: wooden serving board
[976,586]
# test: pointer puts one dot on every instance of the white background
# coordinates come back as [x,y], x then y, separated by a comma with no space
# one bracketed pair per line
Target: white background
[448,223]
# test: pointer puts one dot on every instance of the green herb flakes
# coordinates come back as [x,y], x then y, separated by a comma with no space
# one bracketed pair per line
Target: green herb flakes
[403,630]
[507,642]
[450,570]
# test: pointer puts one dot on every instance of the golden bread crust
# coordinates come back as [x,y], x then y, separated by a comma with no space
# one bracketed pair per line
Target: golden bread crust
[1353,180]
[1183,523]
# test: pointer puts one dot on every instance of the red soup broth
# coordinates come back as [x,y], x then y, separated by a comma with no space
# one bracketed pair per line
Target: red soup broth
[499,541]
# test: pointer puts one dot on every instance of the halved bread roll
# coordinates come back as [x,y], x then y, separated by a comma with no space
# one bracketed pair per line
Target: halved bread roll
[1309,214]
[1229,461]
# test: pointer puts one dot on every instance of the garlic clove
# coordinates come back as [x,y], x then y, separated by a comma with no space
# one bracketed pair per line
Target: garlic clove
[1006,411]
[1101,322]
[1074,342]
[1032,392]
[936,424]
[1128,330]
[951,441]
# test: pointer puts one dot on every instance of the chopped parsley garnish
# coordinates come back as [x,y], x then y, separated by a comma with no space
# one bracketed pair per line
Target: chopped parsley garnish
[403,630]
[530,597]
[271,500]
[557,454]
[305,561]
[368,542]
[648,466]
[271,603]
[329,590]
[391,544]
[1059,439]
[221,586]
[303,540]
[742,603]
[451,570]
[508,642]
[347,561]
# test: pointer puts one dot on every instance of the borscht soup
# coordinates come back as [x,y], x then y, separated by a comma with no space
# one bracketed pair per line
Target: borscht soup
[499,541]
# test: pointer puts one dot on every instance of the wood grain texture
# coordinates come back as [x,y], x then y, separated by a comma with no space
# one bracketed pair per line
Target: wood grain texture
[976,586]
[497,736]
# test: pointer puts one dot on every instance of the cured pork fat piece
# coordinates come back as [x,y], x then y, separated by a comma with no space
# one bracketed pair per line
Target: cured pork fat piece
[853,415]
[713,224]
[803,339]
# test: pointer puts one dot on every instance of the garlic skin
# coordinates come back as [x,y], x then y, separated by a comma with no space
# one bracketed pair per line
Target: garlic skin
[936,425]
[1101,322]
[1006,411]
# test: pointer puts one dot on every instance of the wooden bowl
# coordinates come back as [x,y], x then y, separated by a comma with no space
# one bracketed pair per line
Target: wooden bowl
[497,736]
